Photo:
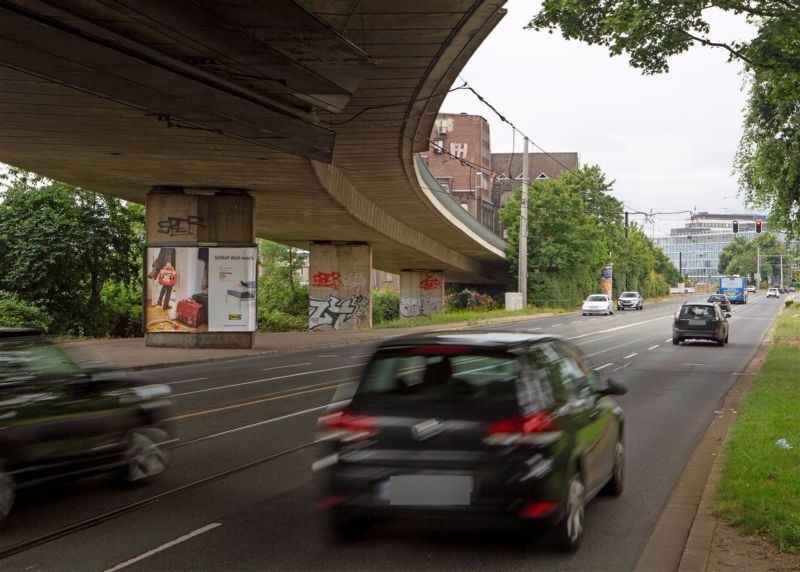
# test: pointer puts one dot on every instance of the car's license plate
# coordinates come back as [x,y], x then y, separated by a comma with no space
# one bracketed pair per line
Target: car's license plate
[427,490]
[697,322]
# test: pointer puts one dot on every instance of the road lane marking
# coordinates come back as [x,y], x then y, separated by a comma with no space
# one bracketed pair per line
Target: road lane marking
[186,380]
[577,321]
[217,388]
[667,340]
[285,366]
[619,327]
[259,423]
[534,329]
[556,325]
[604,366]
[630,355]
[331,385]
[623,366]
[165,546]
[700,364]
[653,347]
[360,355]
[329,355]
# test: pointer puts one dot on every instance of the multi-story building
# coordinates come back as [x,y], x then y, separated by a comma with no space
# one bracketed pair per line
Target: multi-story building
[695,247]
[541,166]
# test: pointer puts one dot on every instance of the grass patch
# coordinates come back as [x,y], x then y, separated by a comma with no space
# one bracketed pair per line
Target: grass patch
[471,317]
[760,485]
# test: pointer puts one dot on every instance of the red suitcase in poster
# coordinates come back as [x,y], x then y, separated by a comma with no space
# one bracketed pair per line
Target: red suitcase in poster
[191,313]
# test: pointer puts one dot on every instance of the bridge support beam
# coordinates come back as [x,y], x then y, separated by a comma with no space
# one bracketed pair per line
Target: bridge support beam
[421,293]
[340,298]
[200,269]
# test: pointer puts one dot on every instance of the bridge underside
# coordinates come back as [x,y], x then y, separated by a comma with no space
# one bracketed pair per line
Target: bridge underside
[314,107]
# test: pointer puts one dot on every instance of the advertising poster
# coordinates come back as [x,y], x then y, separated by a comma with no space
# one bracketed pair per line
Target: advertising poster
[176,289]
[606,276]
[232,289]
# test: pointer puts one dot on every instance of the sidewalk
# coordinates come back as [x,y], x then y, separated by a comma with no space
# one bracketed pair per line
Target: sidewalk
[131,353]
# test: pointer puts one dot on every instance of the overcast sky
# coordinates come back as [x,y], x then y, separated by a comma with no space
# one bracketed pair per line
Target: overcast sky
[668,140]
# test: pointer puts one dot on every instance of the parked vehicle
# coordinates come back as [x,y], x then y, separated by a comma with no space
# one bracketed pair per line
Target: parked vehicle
[597,304]
[700,321]
[751,289]
[505,428]
[735,288]
[58,420]
[632,300]
[773,293]
[722,300]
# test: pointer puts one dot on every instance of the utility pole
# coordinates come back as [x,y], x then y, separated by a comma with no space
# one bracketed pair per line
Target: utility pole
[782,269]
[758,267]
[523,229]
[626,247]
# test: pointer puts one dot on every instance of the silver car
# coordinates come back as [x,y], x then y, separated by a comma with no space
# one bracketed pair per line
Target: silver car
[630,300]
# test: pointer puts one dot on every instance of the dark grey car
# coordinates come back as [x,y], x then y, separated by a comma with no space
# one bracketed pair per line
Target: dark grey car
[492,427]
[700,321]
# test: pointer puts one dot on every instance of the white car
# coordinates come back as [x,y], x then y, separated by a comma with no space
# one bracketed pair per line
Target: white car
[751,288]
[598,304]
[773,293]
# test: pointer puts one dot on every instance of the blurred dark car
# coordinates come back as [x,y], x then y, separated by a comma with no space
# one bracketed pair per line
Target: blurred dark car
[699,321]
[58,420]
[504,428]
[722,300]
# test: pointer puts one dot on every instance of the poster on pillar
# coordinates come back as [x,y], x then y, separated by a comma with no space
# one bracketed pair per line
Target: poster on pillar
[176,289]
[232,289]
[606,279]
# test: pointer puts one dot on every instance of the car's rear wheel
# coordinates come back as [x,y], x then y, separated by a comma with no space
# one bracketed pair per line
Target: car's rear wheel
[569,532]
[676,341]
[146,458]
[721,342]
[7,492]
[617,483]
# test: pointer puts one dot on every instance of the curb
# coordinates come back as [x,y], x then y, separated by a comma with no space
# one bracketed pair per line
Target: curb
[684,531]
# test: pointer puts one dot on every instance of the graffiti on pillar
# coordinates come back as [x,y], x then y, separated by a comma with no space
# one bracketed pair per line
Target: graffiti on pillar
[409,307]
[354,282]
[326,279]
[333,312]
[177,226]
[431,305]
[430,283]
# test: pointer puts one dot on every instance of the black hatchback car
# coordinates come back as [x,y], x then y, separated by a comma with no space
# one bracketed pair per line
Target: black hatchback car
[58,420]
[722,300]
[500,427]
[700,321]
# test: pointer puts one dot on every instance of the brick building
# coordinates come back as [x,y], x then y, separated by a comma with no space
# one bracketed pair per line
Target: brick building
[460,157]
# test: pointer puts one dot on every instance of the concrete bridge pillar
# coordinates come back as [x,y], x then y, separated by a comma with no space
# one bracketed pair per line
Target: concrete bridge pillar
[421,293]
[340,297]
[200,269]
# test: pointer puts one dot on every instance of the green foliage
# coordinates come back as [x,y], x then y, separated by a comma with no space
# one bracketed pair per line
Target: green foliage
[385,306]
[123,308]
[61,244]
[469,300]
[16,313]
[788,303]
[739,257]
[282,301]
[768,160]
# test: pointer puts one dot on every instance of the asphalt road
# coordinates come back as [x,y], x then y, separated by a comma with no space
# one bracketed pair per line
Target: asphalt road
[240,491]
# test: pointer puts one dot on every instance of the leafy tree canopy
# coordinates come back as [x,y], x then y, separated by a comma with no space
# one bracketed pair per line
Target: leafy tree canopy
[768,160]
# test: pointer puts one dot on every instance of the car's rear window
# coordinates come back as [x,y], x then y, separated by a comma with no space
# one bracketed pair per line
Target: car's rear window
[410,375]
[696,312]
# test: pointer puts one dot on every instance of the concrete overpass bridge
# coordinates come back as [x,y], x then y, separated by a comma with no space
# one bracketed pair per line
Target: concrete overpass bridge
[292,120]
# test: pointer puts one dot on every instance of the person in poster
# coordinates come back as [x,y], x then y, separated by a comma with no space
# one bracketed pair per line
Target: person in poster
[164,272]
[606,276]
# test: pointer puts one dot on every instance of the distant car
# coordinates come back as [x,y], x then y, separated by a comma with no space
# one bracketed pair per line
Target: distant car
[632,300]
[722,300]
[58,420]
[699,321]
[597,304]
[495,428]
[751,288]
[790,289]
[773,293]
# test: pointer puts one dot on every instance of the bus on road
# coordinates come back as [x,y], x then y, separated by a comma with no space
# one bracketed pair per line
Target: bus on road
[735,288]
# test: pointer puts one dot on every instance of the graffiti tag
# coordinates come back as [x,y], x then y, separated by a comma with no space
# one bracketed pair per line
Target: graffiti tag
[430,283]
[326,279]
[174,226]
[354,282]
[333,312]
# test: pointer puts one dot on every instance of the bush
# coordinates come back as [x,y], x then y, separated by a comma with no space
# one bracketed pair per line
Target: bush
[15,313]
[122,304]
[469,300]
[281,322]
[385,306]
[789,303]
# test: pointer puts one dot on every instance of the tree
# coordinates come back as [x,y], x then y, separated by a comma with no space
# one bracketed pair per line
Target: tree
[61,244]
[768,160]
[282,301]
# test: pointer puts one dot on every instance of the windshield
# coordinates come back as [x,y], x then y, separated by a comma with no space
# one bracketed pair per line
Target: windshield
[696,312]
[629,295]
[597,298]
[407,376]
[27,360]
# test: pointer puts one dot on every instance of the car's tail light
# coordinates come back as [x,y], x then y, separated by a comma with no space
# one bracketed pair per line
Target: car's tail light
[347,426]
[537,509]
[535,429]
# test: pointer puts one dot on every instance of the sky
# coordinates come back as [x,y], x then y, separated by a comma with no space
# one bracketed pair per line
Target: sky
[668,141]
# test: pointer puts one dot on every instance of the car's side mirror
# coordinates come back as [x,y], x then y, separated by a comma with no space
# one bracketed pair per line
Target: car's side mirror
[613,387]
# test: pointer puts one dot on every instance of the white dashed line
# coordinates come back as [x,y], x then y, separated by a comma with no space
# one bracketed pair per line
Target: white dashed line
[577,321]
[556,325]
[165,546]
[699,364]
[285,366]
[622,366]
[653,347]
[187,380]
[667,340]
[329,355]
[630,355]
[603,366]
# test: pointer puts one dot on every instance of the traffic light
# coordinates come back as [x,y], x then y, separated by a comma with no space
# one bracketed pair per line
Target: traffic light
[758,225]
[735,226]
